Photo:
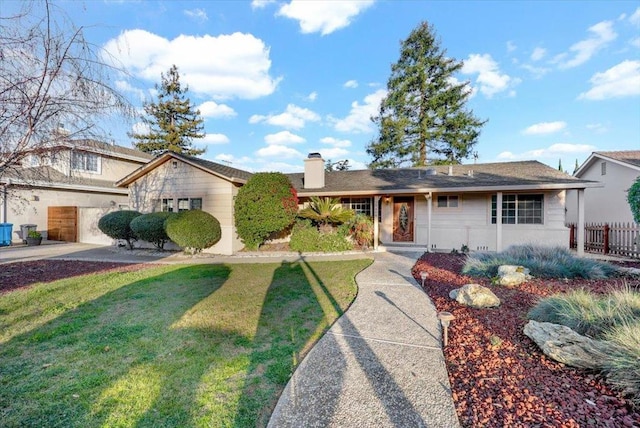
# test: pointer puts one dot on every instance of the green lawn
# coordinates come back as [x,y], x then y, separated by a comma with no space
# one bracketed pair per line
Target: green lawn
[187,346]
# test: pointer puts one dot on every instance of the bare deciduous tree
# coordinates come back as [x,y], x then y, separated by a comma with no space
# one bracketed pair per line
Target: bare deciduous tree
[50,76]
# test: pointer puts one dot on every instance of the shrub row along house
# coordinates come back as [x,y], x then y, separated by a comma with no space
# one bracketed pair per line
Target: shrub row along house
[482,206]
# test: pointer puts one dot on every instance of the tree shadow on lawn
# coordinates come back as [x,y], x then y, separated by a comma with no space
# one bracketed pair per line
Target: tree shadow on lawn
[115,358]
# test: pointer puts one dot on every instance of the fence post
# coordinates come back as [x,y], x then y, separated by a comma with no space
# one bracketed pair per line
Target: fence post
[572,234]
[606,238]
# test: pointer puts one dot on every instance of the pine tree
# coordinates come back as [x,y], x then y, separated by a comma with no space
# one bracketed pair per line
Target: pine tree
[560,164]
[575,168]
[424,111]
[172,120]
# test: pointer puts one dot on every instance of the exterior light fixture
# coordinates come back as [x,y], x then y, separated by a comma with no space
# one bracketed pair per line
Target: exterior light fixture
[445,318]
[175,164]
[423,276]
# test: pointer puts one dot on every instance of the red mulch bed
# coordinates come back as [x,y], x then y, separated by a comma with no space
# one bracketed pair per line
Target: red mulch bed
[514,383]
[24,274]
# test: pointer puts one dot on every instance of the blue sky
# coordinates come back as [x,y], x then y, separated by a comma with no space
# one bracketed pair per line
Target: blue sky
[276,80]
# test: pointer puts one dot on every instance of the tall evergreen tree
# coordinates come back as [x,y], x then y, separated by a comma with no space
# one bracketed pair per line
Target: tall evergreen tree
[424,111]
[560,165]
[172,120]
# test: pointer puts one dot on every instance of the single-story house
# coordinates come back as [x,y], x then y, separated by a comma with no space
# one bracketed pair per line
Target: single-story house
[66,188]
[483,206]
[617,171]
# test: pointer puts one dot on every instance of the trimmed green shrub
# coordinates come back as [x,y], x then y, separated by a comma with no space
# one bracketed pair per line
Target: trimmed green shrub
[116,225]
[150,228]
[267,204]
[193,230]
[543,262]
[633,197]
[307,238]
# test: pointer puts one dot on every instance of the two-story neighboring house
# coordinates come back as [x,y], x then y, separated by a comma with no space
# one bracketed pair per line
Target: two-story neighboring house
[616,171]
[66,189]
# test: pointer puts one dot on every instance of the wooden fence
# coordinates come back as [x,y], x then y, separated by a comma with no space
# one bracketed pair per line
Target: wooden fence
[622,239]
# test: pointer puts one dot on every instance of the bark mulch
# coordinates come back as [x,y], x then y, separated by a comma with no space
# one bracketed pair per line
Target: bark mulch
[499,376]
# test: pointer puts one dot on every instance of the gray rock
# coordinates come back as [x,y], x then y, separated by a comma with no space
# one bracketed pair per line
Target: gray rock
[476,296]
[566,346]
[505,269]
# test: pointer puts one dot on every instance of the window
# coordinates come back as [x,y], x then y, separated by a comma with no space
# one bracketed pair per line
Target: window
[359,205]
[81,161]
[183,204]
[195,204]
[167,205]
[518,209]
[445,201]
[603,168]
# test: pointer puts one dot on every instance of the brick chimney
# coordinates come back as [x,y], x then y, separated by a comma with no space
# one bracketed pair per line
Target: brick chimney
[314,171]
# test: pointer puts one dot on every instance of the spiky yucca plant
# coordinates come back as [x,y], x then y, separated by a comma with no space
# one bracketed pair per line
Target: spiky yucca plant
[326,212]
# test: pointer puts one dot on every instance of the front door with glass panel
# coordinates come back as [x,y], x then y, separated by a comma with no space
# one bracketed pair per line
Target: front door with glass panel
[403,219]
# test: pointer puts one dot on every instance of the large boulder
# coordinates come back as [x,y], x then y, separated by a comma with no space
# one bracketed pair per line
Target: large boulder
[510,275]
[475,295]
[566,346]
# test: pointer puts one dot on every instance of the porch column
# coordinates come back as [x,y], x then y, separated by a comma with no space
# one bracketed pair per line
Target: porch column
[376,224]
[499,222]
[580,225]
[428,198]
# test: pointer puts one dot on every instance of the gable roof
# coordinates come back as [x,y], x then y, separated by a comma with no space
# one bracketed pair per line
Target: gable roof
[629,158]
[228,173]
[107,149]
[502,176]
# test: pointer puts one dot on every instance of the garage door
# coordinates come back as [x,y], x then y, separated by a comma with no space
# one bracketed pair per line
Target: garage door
[62,224]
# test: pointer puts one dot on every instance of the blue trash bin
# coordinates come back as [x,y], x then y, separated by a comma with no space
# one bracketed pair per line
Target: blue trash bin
[6,229]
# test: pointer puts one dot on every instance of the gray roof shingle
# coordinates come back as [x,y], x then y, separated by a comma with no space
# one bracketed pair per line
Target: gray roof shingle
[632,157]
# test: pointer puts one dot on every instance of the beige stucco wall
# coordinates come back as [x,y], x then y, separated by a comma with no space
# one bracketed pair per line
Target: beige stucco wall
[186,181]
[470,224]
[607,204]
[30,206]
[111,169]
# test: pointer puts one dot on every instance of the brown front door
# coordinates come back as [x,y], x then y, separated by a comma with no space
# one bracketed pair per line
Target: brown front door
[403,219]
[62,224]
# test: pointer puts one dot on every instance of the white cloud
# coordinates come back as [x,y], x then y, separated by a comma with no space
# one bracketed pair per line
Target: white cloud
[601,34]
[359,118]
[545,128]
[335,142]
[350,84]
[538,54]
[283,137]
[293,117]
[124,86]
[553,151]
[511,46]
[323,17]
[198,15]
[490,80]
[213,139]
[538,72]
[275,150]
[140,128]
[215,110]
[225,66]
[261,4]
[312,96]
[635,18]
[635,42]
[622,80]
[598,128]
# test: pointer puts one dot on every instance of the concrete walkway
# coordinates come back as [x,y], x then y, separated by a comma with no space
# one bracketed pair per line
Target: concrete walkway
[380,365]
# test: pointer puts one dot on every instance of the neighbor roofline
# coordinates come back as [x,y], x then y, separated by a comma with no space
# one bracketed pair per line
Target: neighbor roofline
[11,181]
[599,155]
[469,189]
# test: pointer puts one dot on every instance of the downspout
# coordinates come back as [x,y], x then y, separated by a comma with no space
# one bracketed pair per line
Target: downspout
[376,224]
[580,225]
[428,198]
[4,200]
[499,222]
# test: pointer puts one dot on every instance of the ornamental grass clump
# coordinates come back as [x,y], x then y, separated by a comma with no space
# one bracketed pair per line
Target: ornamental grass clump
[622,366]
[543,262]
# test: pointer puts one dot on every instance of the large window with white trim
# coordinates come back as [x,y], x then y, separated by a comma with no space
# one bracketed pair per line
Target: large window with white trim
[177,205]
[519,209]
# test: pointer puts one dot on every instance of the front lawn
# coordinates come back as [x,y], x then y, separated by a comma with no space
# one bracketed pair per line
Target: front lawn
[205,345]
